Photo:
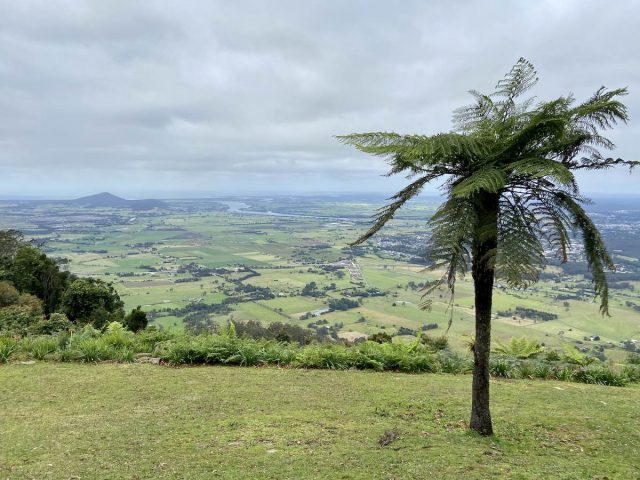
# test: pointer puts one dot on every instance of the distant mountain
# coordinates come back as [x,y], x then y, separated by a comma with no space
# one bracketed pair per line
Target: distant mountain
[108,200]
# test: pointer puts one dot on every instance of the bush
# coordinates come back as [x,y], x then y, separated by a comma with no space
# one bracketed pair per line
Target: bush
[136,320]
[526,369]
[633,359]
[18,319]
[8,294]
[632,372]
[451,362]
[57,322]
[564,373]
[380,337]
[435,343]
[40,347]
[519,348]
[600,375]
[7,346]
[501,367]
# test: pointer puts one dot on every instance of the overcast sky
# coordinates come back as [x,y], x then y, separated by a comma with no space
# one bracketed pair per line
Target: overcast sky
[173,98]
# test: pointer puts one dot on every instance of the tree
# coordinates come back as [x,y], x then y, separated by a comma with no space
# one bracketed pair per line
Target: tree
[508,173]
[31,271]
[88,300]
[136,320]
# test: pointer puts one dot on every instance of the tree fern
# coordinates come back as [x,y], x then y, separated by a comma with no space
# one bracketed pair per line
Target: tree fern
[507,170]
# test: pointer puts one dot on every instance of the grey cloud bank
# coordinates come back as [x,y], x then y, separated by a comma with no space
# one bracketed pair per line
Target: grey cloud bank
[163,98]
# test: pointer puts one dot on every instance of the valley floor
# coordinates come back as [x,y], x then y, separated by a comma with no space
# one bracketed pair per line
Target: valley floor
[134,421]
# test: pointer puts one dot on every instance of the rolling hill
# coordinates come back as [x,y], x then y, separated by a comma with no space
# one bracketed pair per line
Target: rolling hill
[108,200]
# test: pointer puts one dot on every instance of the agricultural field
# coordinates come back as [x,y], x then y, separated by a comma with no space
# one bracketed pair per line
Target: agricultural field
[200,262]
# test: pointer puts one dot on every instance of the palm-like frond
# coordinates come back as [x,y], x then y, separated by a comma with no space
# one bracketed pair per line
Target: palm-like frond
[520,153]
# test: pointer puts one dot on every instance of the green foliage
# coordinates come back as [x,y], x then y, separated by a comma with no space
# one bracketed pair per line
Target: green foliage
[519,348]
[502,367]
[40,347]
[136,320]
[115,327]
[117,344]
[600,375]
[435,343]
[452,362]
[8,345]
[8,294]
[88,300]
[633,358]
[572,355]
[342,303]
[521,154]
[380,337]
[31,271]
[91,350]
[20,319]
[57,322]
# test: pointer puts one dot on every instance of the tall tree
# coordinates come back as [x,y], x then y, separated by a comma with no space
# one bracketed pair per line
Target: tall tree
[507,170]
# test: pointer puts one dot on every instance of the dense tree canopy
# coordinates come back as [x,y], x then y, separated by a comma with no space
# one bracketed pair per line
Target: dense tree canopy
[34,291]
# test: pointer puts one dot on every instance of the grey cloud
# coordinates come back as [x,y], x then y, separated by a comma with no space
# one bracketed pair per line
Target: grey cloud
[162,97]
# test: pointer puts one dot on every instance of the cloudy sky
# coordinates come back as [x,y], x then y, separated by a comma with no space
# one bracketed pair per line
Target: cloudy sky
[166,98]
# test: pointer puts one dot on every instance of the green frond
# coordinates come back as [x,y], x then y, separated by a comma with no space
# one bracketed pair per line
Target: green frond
[386,213]
[598,162]
[539,167]
[452,226]
[598,258]
[602,111]
[519,348]
[520,256]
[488,179]
[521,78]
[508,172]
[417,153]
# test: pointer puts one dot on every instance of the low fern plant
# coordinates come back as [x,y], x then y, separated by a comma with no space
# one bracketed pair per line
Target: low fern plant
[519,348]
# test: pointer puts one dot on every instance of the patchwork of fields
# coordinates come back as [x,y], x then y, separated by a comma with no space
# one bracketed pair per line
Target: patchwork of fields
[259,265]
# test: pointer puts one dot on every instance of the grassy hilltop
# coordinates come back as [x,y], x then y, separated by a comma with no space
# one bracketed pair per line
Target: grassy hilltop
[138,421]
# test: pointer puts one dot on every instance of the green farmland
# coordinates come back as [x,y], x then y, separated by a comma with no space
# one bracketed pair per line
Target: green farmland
[214,252]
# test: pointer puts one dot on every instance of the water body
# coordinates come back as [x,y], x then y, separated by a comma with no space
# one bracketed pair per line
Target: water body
[243,208]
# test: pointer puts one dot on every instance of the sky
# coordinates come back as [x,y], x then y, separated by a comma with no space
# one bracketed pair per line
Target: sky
[199,98]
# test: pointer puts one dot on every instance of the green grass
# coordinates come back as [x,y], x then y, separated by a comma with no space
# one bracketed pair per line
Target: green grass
[140,421]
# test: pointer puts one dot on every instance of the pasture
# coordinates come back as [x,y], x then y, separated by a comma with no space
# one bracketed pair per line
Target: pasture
[84,421]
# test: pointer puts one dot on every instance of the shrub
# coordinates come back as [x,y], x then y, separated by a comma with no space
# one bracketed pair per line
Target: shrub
[17,319]
[544,371]
[526,369]
[564,373]
[136,320]
[57,322]
[451,362]
[91,350]
[501,367]
[632,372]
[600,375]
[40,347]
[435,343]
[633,358]
[519,348]
[552,356]
[8,294]
[7,346]
[380,337]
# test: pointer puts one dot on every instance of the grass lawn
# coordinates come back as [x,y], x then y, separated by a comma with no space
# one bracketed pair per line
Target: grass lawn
[138,421]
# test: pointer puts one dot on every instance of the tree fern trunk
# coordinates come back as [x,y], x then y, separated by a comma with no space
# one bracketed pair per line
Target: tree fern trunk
[483,272]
